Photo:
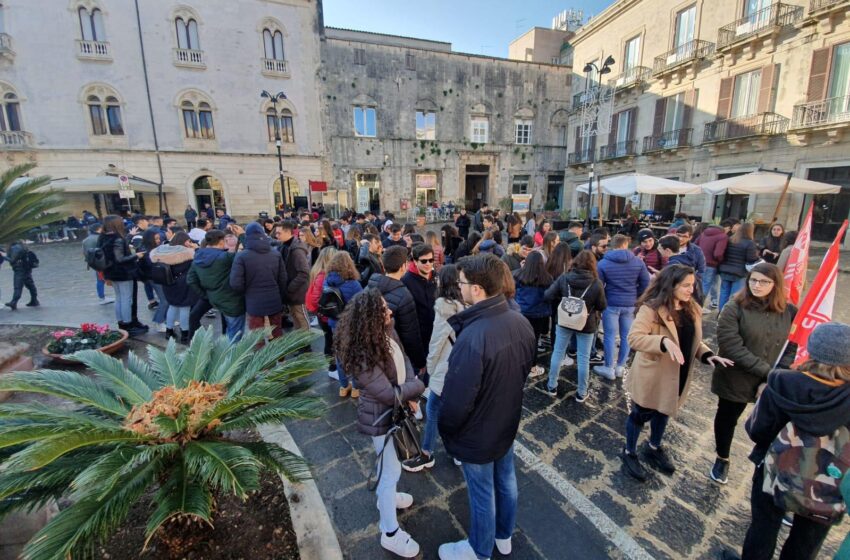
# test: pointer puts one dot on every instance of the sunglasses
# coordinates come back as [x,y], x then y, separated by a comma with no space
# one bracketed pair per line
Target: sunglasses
[426,261]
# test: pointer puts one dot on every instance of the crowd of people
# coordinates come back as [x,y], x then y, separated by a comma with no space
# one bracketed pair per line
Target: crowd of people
[463,317]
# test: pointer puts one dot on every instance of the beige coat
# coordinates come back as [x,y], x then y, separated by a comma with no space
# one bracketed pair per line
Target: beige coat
[653,381]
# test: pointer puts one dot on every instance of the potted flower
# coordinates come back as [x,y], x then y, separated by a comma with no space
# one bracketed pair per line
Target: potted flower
[420,215]
[90,336]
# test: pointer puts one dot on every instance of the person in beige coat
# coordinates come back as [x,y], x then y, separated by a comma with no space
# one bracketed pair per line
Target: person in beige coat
[667,338]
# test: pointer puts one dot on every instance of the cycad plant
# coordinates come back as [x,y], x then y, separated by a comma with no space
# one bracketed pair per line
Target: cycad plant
[26,205]
[164,425]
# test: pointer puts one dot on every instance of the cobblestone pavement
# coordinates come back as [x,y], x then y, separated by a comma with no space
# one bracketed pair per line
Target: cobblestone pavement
[575,500]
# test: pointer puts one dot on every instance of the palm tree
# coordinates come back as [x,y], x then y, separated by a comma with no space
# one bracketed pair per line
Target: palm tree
[167,424]
[26,205]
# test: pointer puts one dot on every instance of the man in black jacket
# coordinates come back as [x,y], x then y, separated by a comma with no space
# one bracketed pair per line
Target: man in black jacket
[478,219]
[401,303]
[420,282]
[295,256]
[22,265]
[482,402]
[371,261]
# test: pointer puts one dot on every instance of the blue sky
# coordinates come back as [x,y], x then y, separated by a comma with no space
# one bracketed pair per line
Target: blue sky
[459,22]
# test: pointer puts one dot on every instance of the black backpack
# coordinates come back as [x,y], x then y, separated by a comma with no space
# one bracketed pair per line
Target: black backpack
[30,260]
[162,274]
[331,302]
[96,259]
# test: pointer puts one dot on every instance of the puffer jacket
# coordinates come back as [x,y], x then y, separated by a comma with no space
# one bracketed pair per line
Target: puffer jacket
[424,292]
[122,264]
[713,242]
[625,277]
[371,266]
[490,246]
[737,257]
[441,342]
[210,277]
[531,300]
[179,258]
[348,289]
[753,339]
[401,303]
[314,293]
[260,274]
[574,283]
[572,240]
[297,259]
[377,394]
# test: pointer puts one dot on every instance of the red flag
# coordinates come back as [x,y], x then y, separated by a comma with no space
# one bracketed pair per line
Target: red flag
[798,261]
[817,307]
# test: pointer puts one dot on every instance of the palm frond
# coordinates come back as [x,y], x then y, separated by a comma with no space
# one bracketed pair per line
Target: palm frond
[276,390]
[27,205]
[225,466]
[289,370]
[143,371]
[40,413]
[58,474]
[66,384]
[236,357]
[229,406]
[197,357]
[17,434]
[180,495]
[282,461]
[288,408]
[114,375]
[46,450]
[282,347]
[166,363]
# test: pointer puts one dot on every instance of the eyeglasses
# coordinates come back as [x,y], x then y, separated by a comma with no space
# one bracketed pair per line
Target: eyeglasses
[426,261]
[467,283]
[757,282]
[602,246]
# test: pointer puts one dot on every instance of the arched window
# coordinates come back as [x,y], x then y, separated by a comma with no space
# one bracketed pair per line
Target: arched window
[10,113]
[288,193]
[98,124]
[273,44]
[197,120]
[283,121]
[104,114]
[91,25]
[187,34]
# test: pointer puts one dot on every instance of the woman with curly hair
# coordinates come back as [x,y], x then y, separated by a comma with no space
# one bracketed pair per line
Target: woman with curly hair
[341,275]
[368,348]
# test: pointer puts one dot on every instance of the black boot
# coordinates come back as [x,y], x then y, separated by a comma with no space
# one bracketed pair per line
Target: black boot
[33,303]
[12,305]
[169,333]
[184,338]
[139,326]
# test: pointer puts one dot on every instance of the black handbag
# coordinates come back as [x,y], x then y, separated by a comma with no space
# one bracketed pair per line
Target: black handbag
[405,437]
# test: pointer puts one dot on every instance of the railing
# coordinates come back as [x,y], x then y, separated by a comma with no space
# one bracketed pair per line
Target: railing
[189,57]
[618,150]
[821,4]
[668,141]
[274,65]
[580,157]
[829,111]
[692,50]
[5,42]
[630,77]
[775,15]
[579,98]
[15,139]
[93,49]
[763,124]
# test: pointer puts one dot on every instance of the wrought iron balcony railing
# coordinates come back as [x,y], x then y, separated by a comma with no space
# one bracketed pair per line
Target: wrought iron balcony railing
[670,140]
[816,5]
[762,124]
[633,76]
[618,150]
[774,16]
[833,110]
[580,157]
[692,50]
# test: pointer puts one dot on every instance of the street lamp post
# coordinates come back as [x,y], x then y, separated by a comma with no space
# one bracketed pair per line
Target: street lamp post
[274,99]
[596,95]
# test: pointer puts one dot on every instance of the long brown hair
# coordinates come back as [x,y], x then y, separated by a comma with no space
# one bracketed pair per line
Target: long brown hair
[549,241]
[559,261]
[585,260]
[114,224]
[775,301]
[660,292]
[342,264]
[745,231]
[361,337]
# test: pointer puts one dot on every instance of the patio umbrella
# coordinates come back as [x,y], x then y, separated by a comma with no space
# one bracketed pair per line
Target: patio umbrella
[631,183]
[767,182]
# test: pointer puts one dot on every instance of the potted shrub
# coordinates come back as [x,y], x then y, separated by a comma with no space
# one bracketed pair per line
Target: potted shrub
[420,215]
[169,426]
[90,336]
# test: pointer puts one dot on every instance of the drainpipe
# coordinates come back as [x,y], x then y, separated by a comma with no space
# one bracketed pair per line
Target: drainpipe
[150,108]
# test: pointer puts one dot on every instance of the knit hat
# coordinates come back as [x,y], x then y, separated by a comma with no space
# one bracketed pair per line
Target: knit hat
[645,234]
[254,230]
[829,344]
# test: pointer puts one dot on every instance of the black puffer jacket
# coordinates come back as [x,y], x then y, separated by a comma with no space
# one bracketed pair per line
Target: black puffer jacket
[122,265]
[377,395]
[737,256]
[297,259]
[577,281]
[260,274]
[178,294]
[371,266]
[424,294]
[401,303]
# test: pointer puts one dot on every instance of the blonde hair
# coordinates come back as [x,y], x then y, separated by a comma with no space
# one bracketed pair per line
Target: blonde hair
[309,238]
[826,372]
[432,239]
[321,264]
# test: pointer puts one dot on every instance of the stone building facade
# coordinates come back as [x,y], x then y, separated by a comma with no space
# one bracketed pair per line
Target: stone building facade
[75,101]
[705,90]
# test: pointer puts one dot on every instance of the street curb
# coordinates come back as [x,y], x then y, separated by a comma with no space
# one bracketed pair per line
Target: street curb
[310,520]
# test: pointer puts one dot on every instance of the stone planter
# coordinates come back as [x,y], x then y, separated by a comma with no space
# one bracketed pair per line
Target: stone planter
[108,349]
[13,357]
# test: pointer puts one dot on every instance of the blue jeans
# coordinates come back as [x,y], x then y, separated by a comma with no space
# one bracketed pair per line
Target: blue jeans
[492,502]
[584,343]
[386,490]
[149,291]
[634,424]
[123,300]
[101,286]
[162,310]
[179,313]
[235,327]
[432,415]
[617,320]
[729,286]
[709,284]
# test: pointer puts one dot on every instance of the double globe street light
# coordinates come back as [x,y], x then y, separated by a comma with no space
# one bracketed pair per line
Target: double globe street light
[593,98]
[279,96]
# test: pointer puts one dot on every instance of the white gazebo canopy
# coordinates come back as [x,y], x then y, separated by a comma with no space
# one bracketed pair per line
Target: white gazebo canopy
[631,183]
[101,184]
[767,182]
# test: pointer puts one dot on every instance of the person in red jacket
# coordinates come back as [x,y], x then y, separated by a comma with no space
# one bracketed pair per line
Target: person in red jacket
[311,302]
[713,242]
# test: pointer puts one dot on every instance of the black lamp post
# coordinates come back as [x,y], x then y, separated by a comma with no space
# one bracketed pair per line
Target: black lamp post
[274,99]
[590,67]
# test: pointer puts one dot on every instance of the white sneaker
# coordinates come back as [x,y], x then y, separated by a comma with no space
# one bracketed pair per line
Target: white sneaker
[403,500]
[401,544]
[536,371]
[159,327]
[460,550]
[619,371]
[605,372]
[456,462]
[503,546]
[106,301]
[567,361]
[333,375]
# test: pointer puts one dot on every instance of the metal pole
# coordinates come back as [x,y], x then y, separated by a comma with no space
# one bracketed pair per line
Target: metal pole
[589,196]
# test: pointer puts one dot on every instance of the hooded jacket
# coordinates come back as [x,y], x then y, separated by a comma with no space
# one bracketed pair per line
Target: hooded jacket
[713,243]
[490,246]
[572,240]
[297,260]
[347,288]
[493,352]
[179,258]
[442,338]
[401,303]
[209,276]
[577,280]
[625,277]
[424,292]
[813,405]
[260,274]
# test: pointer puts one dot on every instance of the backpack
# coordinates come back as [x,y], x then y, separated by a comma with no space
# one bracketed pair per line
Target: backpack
[30,260]
[572,311]
[96,259]
[803,473]
[161,274]
[331,302]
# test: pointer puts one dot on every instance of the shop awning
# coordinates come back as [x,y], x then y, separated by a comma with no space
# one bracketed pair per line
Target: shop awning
[767,182]
[104,184]
[631,183]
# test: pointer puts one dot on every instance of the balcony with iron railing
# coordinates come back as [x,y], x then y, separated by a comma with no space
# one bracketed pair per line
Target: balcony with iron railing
[581,157]
[770,19]
[275,67]
[190,58]
[93,50]
[670,140]
[824,113]
[6,45]
[689,52]
[15,140]
[819,5]
[627,148]
[579,99]
[632,77]
[762,124]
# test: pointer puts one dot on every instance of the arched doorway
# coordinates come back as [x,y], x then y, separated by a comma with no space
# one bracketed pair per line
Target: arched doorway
[209,190]
[287,195]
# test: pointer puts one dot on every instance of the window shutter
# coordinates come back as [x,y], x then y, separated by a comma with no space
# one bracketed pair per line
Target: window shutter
[612,136]
[690,104]
[632,123]
[658,121]
[724,100]
[766,89]
[819,74]
[578,140]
